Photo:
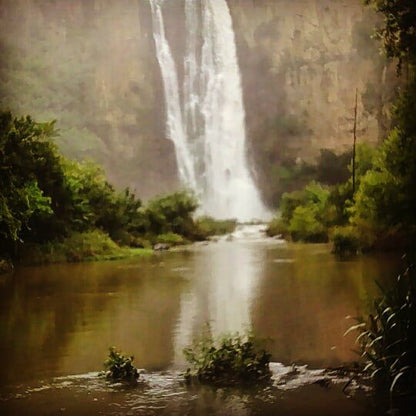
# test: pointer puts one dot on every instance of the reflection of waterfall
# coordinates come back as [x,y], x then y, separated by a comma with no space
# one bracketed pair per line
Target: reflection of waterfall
[224,284]
[208,129]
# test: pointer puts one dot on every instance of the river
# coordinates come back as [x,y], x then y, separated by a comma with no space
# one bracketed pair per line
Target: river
[58,321]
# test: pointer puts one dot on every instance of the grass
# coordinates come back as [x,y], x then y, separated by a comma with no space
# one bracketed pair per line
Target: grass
[388,338]
[89,246]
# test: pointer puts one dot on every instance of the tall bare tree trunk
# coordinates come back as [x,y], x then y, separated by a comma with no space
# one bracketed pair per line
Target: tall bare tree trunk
[355,140]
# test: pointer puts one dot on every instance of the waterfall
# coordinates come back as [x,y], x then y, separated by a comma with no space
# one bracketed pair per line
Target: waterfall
[175,126]
[207,126]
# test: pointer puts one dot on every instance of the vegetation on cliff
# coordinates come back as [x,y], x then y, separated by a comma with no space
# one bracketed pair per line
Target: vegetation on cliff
[381,213]
[310,214]
[385,204]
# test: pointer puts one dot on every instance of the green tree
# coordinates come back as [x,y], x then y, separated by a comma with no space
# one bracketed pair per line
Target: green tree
[31,180]
[398,33]
[386,197]
[172,213]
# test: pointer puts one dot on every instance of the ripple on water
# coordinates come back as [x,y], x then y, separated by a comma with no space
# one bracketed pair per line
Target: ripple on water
[161,393]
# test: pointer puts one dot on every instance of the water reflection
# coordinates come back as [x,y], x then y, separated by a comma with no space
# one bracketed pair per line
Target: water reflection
[61,319]
[304,300]
[224,284]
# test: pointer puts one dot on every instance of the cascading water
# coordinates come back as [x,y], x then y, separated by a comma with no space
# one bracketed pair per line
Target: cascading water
[175,126]
[208,127]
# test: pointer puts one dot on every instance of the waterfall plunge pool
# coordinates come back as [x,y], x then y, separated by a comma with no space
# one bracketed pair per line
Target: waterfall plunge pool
[57,322]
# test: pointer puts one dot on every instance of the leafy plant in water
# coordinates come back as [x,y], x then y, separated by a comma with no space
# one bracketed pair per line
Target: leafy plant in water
[388,338]
[228,360]
[120,367]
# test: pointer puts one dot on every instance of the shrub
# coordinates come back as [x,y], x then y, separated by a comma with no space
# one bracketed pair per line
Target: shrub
[305,225]
[170,239]
[227,361]
[80,246]
[289,202]
[388,338]
[277,227]
[208,226]
[171,213]
[345,240]
[305,214]
[120,367]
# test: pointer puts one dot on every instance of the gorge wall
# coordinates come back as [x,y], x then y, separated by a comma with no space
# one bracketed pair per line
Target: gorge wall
[92,66]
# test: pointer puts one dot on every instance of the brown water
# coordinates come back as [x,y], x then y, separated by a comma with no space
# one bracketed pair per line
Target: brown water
[58,321]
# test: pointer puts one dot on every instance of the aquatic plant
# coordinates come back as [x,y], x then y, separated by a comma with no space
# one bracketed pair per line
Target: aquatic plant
[229,360]
[388,338]
[120,367]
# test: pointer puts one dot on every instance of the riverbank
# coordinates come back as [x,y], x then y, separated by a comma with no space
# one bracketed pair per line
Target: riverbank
[79,247]
[97,245]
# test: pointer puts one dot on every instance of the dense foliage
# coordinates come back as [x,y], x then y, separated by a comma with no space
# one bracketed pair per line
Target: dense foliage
[45,197]
[229,360]
[386,197]
[388,338]
[398,33]
[52,207]
[382,211]
[309,214]
[287,173]
[32,181]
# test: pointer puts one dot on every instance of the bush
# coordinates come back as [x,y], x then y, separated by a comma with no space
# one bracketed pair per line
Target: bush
[171,213]
[227,361]
[120,367]
[305,226]
[208,227]
[81,246]
[305,215]
[170,239]
[277,227]
[345,240]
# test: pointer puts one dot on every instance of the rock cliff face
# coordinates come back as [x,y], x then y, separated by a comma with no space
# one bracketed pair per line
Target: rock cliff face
[92,66]
[303,61]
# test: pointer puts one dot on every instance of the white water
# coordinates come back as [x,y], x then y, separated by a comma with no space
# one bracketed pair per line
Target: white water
[208,127]
[175,126]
